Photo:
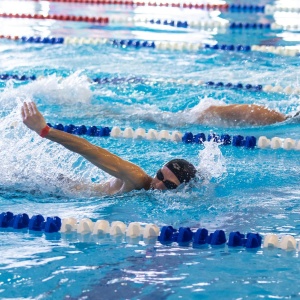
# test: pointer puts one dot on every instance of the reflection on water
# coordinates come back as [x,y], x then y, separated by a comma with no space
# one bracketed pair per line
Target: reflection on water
[244,190]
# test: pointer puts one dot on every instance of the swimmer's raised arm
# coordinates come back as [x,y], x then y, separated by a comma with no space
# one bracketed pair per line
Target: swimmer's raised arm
[103,159]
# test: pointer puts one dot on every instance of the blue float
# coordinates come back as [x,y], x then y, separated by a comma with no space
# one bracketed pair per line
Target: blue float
[213,137]
[91,130]
[166,234]
[250,142]
[5,219]
[253,240]
[225,139]
[52,224]
[200,237]
[36,223]
[210,83]
[238,141]
[188,137]
[80,130]
[184,235]
[20,221]
[217,238]
[199,138]
[236,239]
[103,131]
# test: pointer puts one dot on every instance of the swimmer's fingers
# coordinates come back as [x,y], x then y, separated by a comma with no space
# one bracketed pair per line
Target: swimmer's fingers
[28,109]
[24,111]
[33,108]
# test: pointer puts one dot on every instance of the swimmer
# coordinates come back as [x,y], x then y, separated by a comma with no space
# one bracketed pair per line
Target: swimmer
[127,176]
[208,113]
[241,115]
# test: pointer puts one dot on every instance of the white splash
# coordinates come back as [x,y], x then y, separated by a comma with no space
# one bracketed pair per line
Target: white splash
[51,89]
[150,112]
[191,116]
[212,163]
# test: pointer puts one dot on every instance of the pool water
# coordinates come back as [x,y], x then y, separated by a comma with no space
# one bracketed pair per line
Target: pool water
[247,190]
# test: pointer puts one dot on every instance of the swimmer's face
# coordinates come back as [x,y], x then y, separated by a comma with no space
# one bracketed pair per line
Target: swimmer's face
[165,180]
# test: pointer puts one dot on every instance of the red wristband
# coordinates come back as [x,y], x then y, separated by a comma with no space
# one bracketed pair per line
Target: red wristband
[44,132]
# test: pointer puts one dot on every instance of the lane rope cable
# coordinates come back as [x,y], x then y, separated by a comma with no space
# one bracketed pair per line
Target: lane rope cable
[249,142]
[161,45]
[149,233]
[267,88]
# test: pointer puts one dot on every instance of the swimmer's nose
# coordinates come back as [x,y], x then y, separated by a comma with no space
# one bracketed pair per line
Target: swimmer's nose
[158,185]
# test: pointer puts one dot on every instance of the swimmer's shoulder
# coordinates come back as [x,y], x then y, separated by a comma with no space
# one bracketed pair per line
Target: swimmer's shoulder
[117,185]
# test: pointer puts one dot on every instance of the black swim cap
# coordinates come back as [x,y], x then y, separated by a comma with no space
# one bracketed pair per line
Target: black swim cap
[182,169]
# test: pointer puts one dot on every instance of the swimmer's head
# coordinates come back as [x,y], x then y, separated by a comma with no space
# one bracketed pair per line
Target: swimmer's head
[173,173]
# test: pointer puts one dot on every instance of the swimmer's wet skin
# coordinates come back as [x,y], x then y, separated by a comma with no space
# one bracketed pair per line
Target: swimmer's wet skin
[127,176]
[240,115]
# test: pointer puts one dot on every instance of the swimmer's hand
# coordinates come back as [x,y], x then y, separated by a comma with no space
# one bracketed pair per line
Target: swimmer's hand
[32,118]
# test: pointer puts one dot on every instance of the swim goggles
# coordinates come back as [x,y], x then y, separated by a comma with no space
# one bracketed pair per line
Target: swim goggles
[168,184]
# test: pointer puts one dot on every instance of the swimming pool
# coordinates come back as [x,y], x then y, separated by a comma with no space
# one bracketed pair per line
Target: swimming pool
[247,190]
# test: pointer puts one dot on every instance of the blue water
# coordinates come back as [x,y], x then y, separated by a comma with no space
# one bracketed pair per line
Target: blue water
[245,190]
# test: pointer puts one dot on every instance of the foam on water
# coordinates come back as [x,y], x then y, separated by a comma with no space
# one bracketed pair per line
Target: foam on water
[191,116]
[152,113]
[51,89]
[212,164]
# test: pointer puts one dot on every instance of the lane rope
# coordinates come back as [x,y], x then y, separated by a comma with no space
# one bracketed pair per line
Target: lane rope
[207,6]
[173,23]
[149,233]
[249,142]
[161,45]
[100,20]
[236,8]
[289,90]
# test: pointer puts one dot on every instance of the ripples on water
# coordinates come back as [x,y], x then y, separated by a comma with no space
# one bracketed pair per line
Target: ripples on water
[245,190]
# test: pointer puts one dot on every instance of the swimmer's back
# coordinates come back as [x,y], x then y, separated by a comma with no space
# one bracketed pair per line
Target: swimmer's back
[240,115]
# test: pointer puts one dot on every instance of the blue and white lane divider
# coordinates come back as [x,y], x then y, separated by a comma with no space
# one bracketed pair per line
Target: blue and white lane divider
[177,136]
[194,24]
[207,24]
[198,24]
[267,9]
[160,45]
[289,90]
[184,236]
